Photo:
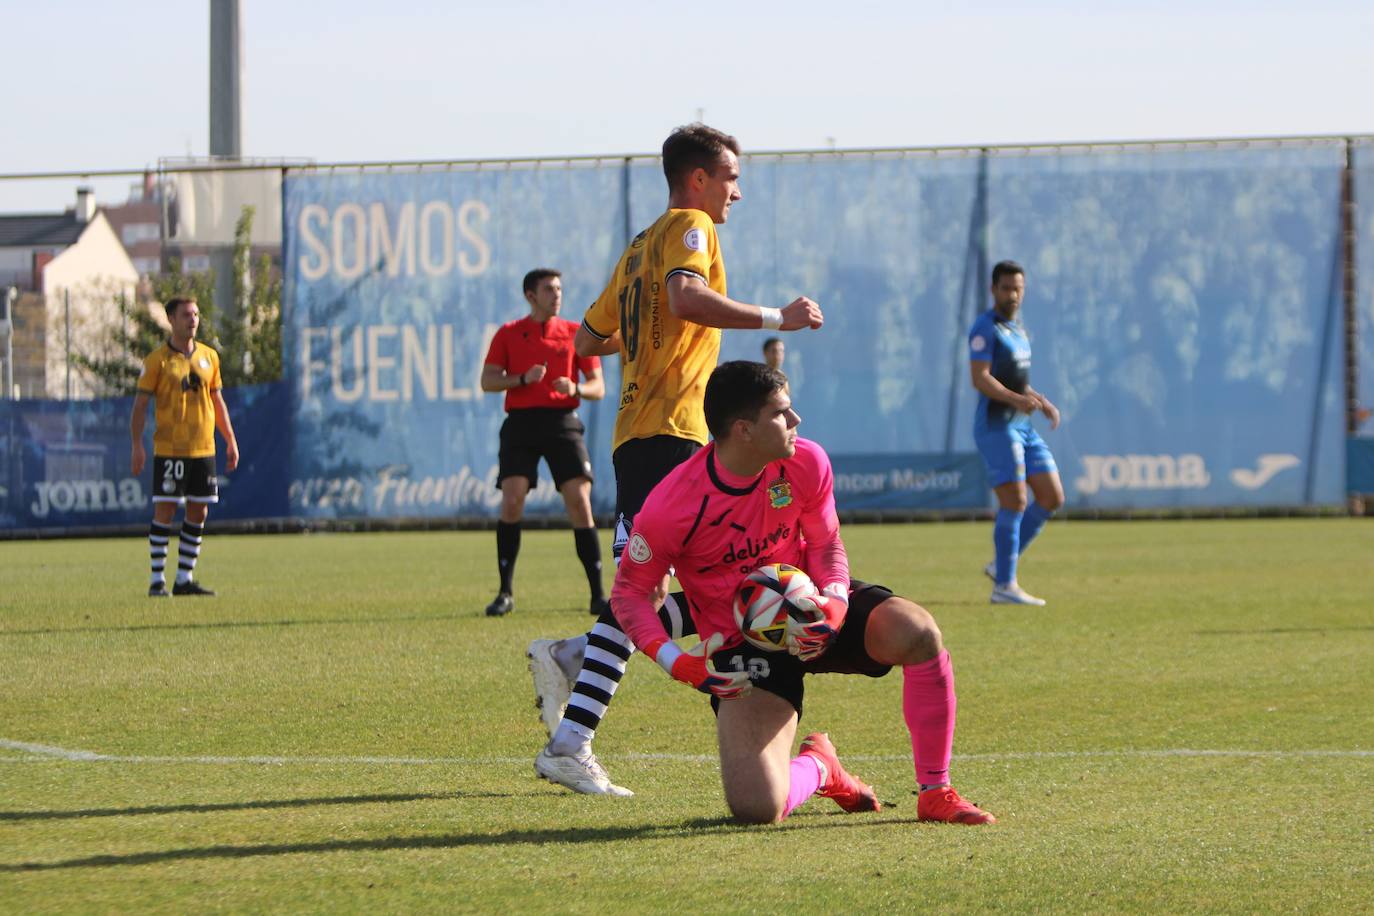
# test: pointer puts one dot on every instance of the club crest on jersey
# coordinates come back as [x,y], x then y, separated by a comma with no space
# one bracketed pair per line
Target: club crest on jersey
[780,494]
[638,549]
[694,239]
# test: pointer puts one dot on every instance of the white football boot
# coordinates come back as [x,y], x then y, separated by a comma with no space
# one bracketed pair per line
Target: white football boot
[553,684]
[579,772]
[1012,593]
[991,571]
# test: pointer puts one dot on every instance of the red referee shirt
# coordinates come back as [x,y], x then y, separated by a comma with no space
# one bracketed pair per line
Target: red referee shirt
[520,345]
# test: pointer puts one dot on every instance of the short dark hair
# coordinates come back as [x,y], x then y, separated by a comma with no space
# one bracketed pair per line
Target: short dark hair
[691,147]
[738,390]
[1003,268]
[770,341]
[534,277]
[176,302]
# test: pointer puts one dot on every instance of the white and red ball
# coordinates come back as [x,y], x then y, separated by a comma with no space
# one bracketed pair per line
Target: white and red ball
[766,600]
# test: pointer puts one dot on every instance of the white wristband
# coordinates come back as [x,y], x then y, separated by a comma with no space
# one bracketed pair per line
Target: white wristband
[668,654]
[772,318]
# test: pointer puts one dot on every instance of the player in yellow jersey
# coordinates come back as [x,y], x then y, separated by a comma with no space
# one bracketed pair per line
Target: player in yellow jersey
[662,311]
[182,378]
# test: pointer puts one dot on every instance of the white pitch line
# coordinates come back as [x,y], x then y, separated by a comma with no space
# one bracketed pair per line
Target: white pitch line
[1046,755]
[43,752]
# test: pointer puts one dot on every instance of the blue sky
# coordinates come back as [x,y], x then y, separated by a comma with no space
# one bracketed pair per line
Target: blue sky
[99,85]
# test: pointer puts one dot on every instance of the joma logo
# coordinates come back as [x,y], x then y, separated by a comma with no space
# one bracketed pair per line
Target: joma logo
[86,496]
[1142,472]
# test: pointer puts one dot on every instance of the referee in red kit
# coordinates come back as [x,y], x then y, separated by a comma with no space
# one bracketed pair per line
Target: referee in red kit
[533,362]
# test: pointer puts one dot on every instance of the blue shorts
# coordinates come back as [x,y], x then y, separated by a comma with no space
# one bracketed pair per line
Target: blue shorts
[1013,452]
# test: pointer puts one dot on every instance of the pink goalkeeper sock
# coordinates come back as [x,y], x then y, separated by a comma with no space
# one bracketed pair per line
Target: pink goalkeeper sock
[806,779]
[928,705]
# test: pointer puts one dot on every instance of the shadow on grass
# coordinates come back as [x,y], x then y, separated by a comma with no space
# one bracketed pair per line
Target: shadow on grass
[704,826]
[233,624]
[1284,631]
[242,806]
[928,601]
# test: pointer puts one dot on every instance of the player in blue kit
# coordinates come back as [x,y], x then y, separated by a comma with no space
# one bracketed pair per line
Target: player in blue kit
[1015,455]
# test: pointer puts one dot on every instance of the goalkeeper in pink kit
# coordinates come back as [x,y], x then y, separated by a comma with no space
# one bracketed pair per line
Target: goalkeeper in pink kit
[759,495]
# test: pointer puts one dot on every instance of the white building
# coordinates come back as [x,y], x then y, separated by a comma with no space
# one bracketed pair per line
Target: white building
[76,261]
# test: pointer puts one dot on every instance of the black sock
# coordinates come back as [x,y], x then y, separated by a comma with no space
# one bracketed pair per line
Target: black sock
[589,552]
[507,549]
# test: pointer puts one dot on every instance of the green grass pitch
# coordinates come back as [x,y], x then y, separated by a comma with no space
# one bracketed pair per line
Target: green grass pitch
[1188,726]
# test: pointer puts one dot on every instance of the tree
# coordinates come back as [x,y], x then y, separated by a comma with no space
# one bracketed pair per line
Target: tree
[248,337]
[252,338]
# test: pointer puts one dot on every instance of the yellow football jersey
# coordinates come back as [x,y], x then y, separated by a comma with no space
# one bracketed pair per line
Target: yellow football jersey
[664,360]
[183,413]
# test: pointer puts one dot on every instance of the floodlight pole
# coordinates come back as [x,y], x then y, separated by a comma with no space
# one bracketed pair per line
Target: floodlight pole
[226,72]
[226,125]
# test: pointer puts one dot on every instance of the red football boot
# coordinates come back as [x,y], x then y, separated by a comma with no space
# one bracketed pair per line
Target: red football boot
[849,793]
[943,804]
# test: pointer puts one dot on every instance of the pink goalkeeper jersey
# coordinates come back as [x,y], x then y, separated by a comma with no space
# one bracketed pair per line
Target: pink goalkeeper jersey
[714,528]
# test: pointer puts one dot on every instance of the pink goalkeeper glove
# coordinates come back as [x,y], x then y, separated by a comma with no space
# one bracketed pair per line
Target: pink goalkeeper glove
[810,640]
[694,667]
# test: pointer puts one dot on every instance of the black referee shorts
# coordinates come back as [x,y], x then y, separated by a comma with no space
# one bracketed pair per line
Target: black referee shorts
[551,433]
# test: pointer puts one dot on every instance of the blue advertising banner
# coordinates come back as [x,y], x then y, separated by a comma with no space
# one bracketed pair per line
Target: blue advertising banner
[883,245]
[395,284]
[1183,305]
[66,464]
[1359,462]
[1183,308]
[913,482]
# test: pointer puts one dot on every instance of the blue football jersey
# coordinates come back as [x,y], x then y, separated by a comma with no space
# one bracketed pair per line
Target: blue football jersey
[1003,343]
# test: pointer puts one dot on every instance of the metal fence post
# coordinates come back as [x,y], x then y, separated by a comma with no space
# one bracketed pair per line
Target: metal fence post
[1350,307]
[7,325]
[67,320]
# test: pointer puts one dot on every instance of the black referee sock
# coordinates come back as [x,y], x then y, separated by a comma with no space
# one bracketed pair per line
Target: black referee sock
[589,552]
[507,549]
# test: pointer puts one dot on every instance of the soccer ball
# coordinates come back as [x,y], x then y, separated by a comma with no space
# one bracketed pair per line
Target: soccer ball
[765,601]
